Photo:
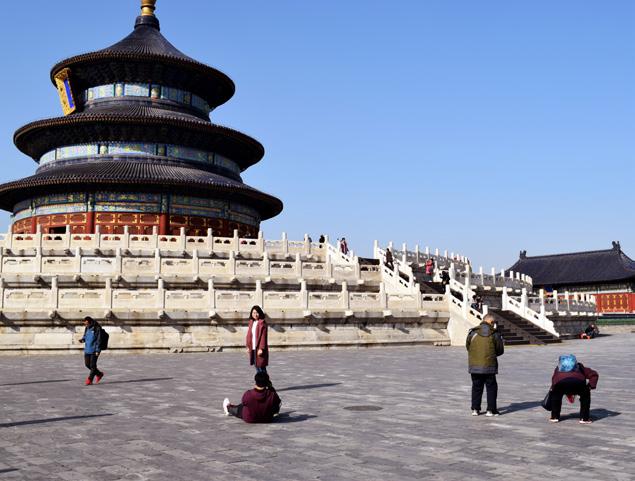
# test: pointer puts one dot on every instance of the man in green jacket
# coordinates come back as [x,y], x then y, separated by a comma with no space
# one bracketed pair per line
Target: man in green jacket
[484,344]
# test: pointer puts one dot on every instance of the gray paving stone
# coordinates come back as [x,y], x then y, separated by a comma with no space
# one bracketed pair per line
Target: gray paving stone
[159,417]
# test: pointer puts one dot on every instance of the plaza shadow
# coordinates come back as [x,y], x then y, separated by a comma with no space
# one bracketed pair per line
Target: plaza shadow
[288,417]
[596,414]
[35,382]
[148,379]
[308,386]
[8,470]
[52,420]
[521,406]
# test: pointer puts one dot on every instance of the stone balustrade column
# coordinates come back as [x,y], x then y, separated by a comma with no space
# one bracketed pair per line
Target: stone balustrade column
[231,264]
[261,242]
[195,263]
[108,294]
[297,266]
[356,268]
[38,235]
[266,263]
[481,275]
[524,301]
[307,245]
[209,240]
[383,297]
[160,294]
[2,285]
[542,302]
[54,301]
[67,237]
[157,261]
[211,294]
[304,295]
[259,297]
[78,259]
[118,262]
[126,237]
[436,252]
[404,254]
[452,271]
[8,242]
[182,240]
[417,254]
[97,236]
[235,241]
[504,299]
[427,252]
[345,297]
[566,295]
[556,301]
[38,259]
[376,254]
[285,244]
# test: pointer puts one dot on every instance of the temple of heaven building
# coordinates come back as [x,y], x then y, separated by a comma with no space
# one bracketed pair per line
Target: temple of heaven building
[136,147]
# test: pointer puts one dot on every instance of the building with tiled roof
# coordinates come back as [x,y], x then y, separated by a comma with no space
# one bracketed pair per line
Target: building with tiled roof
[136,147]
[609,274]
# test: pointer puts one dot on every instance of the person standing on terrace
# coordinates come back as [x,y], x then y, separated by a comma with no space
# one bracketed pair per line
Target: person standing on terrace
[256,341]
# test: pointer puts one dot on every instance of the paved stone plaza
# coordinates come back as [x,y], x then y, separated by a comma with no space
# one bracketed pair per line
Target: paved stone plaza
[159,417]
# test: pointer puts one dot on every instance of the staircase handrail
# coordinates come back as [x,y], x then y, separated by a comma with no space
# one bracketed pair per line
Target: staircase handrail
[522,309]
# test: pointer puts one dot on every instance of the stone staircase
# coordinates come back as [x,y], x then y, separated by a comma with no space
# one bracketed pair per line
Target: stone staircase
[516,330]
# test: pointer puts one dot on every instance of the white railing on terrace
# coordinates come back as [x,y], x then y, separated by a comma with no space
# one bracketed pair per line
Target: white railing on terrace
[212,300]
[514,280]
[179,243]
[561,304]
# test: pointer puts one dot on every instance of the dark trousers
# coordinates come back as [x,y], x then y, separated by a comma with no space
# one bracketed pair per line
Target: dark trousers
[91,363]
[489,381]
[236,410]
[571,386]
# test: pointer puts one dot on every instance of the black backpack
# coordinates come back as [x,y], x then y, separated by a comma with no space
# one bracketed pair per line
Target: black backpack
[103,339]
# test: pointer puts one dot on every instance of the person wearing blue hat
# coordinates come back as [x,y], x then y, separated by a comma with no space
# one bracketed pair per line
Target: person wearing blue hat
[569,378]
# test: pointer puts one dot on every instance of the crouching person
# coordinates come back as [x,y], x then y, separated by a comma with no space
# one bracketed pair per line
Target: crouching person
[571,378]
[259,405]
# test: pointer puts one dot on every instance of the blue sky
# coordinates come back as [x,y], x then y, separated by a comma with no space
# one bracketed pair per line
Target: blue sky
[479,127]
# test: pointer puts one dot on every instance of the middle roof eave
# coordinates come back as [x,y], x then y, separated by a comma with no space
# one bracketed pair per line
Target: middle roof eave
[137,124]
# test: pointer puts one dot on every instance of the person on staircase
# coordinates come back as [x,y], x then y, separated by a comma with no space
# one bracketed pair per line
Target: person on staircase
[484,344]
[569,378]
[389,259]
[429,267]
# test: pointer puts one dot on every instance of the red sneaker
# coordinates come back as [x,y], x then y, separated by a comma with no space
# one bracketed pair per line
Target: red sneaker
[88,382]
[98,378]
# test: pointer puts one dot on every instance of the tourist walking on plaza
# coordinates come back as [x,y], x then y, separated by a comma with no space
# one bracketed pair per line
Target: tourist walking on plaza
[389,260]
[484,344]
[258,405]
[92,340]
[570,378]
[256,342]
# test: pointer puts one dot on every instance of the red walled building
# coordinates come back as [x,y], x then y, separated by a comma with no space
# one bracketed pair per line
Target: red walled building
[136,147]
[607,274]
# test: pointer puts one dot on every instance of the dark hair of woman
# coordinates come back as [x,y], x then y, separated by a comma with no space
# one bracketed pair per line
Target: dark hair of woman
[261,315]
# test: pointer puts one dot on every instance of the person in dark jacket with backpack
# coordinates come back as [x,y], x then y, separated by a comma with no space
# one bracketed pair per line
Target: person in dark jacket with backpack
[570,378]
[484,344]
[258,405]
[92,340]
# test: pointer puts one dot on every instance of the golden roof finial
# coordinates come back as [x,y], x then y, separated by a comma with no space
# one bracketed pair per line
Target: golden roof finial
[147,7]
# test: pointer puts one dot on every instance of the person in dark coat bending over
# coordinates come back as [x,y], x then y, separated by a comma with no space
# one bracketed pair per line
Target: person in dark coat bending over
[258,405]
[484,344]
[570,378]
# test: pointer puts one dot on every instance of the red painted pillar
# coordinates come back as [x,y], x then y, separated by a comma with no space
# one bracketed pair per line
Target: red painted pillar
[164,224]
[33,225]
[90,222]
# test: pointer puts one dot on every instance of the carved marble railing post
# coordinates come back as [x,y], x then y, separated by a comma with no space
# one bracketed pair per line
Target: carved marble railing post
[211,295]
[97,236]
[266,263]
[182,239]
[126,237]
[258,296]
[404,254]
[2,291]
[524,301]
[160,294]
[556,301]
[108,294]
[356,268]
[235,241]
[417,254]
[38,235]
[566,295]
[54,302]
[38,259]
[452,271]
[118,261]
[261,242]
[157,261]
[67,237]
[297,266]
[231,264]
[209,241]
[285,244]
[542,302]
[504,299]
[78,259]
[383,297]
[306,250]
[195,263]
[8,243]
[304,295]
[345,296]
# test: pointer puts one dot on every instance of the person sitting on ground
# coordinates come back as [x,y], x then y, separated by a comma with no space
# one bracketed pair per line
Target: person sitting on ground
[590,332]
[258,405]
[570,378]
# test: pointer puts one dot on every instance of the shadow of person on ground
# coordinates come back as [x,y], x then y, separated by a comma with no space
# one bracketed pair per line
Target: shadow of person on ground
[149,379]
[288,417]
[35,382]
[521,406]
[308,386]
[596,414]
[52,420]
[8,470]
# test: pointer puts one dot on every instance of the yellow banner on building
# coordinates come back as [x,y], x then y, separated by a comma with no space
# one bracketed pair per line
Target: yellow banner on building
[62,80]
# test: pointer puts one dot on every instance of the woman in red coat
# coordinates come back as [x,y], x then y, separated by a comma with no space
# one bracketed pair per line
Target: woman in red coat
[256,342]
